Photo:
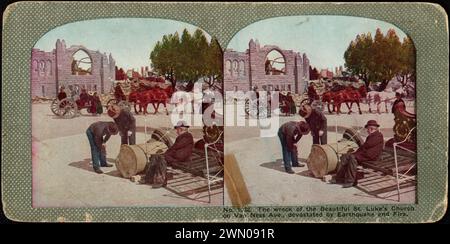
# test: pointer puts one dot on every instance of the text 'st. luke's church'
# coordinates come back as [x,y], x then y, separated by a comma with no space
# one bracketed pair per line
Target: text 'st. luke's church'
[268,67]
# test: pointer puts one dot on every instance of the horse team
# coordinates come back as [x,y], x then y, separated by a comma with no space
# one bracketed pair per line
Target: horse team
[351,95]
[142,96]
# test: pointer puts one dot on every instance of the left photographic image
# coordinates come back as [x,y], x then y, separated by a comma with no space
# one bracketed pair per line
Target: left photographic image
[127,112]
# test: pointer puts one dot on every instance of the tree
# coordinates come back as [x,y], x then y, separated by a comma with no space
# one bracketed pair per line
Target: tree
[380,59]
[358,58]
[164,57]
[188,58]
[214,63]
[408,62]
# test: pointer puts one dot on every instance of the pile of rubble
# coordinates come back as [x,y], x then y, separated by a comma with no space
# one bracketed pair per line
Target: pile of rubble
[37,99]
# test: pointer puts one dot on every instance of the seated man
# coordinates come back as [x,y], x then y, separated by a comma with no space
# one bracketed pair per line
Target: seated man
[62,93]
[181,150]
[369,151]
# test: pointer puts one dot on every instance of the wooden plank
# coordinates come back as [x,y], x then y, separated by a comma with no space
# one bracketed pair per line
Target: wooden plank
[377,168]
[237,189]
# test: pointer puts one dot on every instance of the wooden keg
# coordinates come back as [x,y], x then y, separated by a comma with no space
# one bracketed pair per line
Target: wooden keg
[133,158]
[323,159]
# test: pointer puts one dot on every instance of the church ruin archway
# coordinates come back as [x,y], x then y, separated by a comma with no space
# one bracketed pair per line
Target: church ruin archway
[275,63]
[81,63]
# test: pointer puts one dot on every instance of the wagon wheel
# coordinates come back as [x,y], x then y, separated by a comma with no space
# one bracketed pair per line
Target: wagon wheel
[211,134]
[352,135]
[69,108]
[54,107]
[162,137]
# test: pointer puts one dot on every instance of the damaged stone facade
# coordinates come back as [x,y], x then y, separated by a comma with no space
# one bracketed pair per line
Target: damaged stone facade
[51,70]
[244,70]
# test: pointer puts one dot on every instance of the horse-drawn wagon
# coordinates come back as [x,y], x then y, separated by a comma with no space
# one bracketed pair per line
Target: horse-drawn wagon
[69,107]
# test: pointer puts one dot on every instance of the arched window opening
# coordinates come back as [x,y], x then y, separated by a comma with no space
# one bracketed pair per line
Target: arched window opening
[235,67]
[275,63]
[228,67]
[35,66]
[81,63]
[49,67]
[241,68]
[41,68]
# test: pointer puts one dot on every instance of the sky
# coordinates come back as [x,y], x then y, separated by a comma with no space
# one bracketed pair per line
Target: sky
[130,40]
[324,39]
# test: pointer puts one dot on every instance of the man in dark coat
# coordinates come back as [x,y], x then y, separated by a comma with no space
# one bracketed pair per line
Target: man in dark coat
[62,94]
[312,94]
[317,123]
[398,103]
[126,123]
[289,134]
[98,134]
[181,150]
[371,150]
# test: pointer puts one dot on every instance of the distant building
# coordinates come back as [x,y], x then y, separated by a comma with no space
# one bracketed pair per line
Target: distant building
[338,71]
[74,67]
[132,74]
[325,73]
[268,67]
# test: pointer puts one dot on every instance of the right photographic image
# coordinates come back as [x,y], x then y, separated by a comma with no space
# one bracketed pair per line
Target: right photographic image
[320,110]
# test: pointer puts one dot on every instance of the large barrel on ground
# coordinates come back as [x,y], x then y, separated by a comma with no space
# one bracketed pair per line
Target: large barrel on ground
[323,159]
[133,158]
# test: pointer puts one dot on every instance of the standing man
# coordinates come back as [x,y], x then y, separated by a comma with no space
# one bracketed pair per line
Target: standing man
[371,150]
[312,94]
[289,134]
[317,123]
[398,104]
[181,150]
[98,134]
[126,123]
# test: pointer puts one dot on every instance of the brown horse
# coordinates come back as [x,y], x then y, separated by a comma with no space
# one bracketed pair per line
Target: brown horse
[155,96]
[353,95]
[335,98]
[348,95]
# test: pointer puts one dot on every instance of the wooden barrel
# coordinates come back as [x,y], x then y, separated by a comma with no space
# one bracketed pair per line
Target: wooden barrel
[133,158]
[323,159]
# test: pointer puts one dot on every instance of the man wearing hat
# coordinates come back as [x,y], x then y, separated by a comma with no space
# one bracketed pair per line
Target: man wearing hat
[317,123]
[289,134]
[371,150]
[126,123]
[98,134]
[398,104]
[181,150]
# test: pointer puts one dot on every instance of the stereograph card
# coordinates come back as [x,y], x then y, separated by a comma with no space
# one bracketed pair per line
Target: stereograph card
[224,112]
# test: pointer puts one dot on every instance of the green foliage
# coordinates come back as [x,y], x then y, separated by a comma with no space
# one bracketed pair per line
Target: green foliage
[188,58]
[382,58]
